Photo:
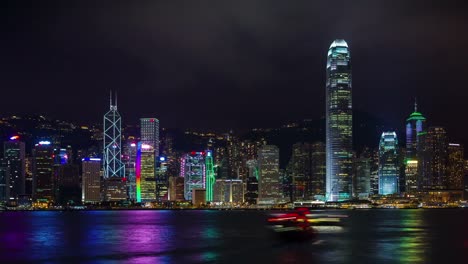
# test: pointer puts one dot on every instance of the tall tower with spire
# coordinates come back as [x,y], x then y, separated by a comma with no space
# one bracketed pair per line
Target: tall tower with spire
[339,123]
[113,166]
[415,127]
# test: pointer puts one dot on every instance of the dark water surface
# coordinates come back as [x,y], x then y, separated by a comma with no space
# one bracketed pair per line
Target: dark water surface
[367,236]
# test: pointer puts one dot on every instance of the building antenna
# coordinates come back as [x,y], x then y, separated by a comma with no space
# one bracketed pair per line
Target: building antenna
[110,98]
[116,100]
[415,104]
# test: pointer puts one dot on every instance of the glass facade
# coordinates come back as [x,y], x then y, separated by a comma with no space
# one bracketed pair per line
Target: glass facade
[415,126]
[112,158]
[388,164]
[339,130]
[192,168]
[269,177]
[150,133]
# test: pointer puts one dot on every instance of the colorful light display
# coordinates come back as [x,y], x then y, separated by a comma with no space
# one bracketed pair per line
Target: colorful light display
[138,173]
[210,178]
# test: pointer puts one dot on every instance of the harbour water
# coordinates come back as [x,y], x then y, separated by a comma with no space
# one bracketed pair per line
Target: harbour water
[186,236]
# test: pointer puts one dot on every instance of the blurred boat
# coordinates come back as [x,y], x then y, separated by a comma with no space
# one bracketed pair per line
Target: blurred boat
[292,226]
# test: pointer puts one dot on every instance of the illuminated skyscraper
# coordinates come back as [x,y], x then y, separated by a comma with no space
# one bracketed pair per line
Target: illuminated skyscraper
[162,179]
[455,166]
[112,162]
[91,180]
[388,164]
[14,155]
[317,184]
[192,168]
[339,119]
[415,126]
[150,133]
[269,178]
[433,157]
[43,172]
[210,175]
[145,173]
[299,169]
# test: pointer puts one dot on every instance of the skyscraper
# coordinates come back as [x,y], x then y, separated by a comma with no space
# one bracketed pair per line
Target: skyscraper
[43,172]
[14,155]
[192,168]
[269,178]
[339,119]
[362,178]
[433,158]
[150,133]
[455,166]
[91,180]
[145,173]
[415,126]
[317,183]
[300,170]
[210,175]
[388,164]
[112,161]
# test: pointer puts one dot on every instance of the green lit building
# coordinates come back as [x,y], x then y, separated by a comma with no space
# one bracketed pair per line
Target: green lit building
[415,126]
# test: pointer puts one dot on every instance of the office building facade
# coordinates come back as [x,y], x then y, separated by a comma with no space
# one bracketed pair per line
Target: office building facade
[339,118]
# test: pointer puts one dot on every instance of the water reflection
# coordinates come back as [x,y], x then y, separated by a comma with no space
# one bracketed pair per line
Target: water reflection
[404,237]
[373,236]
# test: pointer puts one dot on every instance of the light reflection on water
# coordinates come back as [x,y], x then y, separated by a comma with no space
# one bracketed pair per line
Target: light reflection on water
[370,236]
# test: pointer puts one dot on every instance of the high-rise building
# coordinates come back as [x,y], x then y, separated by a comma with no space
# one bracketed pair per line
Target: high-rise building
[210,175]
[251,184]
[455,166]
[150,133]
[389,169]
[339,122]
[14,154]
[269,178]
[162,179]
[433,158]
[415,126]
[129,157]
[192,168]
[317,184]
[43,172]
[228,191]
[112,158]
[362,177]
[91,180]
[145,173]
[300,170]
[4,182]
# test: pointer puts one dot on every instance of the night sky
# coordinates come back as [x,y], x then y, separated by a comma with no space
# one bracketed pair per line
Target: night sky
[233,64]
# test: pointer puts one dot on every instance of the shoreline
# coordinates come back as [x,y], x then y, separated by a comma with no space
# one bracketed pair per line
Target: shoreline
[219,209]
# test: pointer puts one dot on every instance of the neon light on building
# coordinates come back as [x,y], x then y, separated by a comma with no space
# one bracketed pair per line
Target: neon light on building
[138,173]
[193,170]
[210,178]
